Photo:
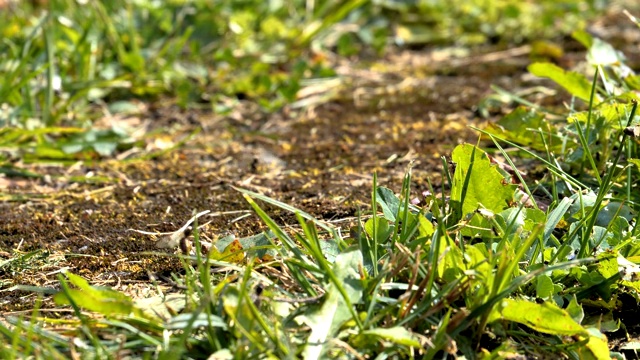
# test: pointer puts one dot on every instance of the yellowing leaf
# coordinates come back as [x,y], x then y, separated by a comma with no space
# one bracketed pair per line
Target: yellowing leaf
[397,335]
[596,348]
[102,300]
[233,253]
[546,317]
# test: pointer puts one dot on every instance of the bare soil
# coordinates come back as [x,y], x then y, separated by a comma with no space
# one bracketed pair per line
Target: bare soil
[320,160]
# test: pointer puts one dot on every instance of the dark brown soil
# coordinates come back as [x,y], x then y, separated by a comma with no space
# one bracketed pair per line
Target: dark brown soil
[320,160]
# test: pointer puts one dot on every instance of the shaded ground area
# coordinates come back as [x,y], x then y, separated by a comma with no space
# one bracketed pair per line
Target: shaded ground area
[414,110]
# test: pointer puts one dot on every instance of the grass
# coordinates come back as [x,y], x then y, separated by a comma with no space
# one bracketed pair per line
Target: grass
[498,268]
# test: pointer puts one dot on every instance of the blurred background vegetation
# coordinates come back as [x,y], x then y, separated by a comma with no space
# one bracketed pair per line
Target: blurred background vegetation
[65,63]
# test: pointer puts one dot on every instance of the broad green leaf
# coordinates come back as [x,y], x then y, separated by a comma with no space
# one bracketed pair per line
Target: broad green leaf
[124,107]
[581,202]
[485,184]
[576,84]
[257,245]
[607,265]
[524,220]
[544,286]
[451,262]
[477,256]
[611,211]
[604,279]
[619,227]
[384,231]
[389,203]
[330,249]
[326,319]
[162,305]
[397,335]
[604,322]
[105,148]
[601,237]
[575,310]
[478,184]
[105,301]
[426,227]
[45,151]
[546,317]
